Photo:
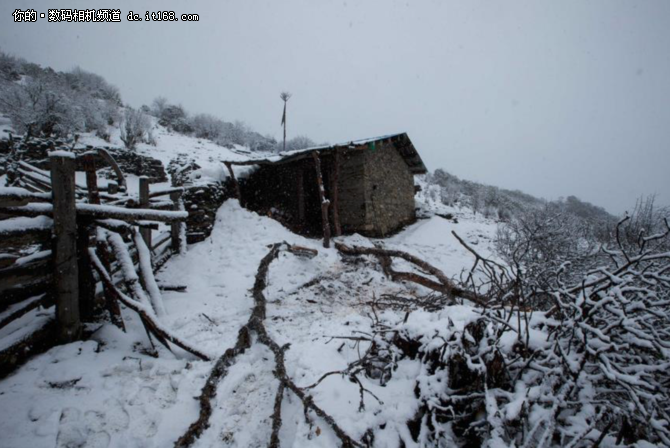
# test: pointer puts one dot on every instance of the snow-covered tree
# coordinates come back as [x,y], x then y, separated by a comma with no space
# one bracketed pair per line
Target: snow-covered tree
[136,128]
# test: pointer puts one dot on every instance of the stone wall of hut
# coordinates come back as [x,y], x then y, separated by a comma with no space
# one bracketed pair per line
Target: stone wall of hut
[389,190]
[352,208]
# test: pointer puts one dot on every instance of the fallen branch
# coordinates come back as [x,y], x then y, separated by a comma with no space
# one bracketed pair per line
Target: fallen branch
[443,285]
[220,370]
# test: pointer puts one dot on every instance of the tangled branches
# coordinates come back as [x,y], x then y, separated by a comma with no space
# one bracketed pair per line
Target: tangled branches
[558,355]
[591,370]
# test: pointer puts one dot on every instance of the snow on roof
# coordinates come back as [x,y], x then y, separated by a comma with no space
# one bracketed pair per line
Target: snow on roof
[402,143]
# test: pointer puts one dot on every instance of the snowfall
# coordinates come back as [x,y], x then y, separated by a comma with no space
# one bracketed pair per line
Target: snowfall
[111,391]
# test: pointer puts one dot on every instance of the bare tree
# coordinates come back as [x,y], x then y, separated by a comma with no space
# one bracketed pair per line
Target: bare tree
[158,106]
[135,128]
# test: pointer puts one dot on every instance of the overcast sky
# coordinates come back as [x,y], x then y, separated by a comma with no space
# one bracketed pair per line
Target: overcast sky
[554,98]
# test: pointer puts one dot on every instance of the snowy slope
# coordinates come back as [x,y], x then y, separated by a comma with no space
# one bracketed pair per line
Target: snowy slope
[172,146]
[109,392]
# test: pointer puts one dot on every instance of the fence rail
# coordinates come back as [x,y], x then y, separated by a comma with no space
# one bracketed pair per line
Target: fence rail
[50,210]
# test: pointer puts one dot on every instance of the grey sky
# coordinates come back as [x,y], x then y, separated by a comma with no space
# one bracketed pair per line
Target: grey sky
[550,97]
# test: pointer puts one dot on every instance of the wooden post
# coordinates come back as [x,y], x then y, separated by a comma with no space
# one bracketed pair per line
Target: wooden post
[87,302]
[112,187]
[175,227]
[88,164]
[87,306]
[66,275]
[324,202]
[144,203]
[238,192]
[300,179]
[334,179]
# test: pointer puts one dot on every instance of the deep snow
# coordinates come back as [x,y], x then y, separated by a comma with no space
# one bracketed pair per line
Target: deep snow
[109,391]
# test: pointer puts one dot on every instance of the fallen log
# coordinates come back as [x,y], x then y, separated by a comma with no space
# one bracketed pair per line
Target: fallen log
[302,251]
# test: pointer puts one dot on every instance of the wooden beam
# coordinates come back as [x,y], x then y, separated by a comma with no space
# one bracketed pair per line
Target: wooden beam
[7,195]
[101,212]
[334,192]
[66,269]
[109,159]
[236,185]
[324,202]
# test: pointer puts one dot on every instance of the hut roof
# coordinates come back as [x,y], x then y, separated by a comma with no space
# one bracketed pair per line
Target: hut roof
[401,142]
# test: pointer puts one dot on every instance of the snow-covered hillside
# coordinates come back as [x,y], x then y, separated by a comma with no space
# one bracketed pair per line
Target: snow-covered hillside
[109,391]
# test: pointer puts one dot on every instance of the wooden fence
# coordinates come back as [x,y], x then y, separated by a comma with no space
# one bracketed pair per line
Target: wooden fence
[63,219]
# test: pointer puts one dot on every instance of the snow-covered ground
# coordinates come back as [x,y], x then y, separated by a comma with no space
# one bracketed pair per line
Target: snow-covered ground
[109,391]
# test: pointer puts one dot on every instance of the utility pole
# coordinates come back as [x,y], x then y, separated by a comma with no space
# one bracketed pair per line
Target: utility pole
[285,97]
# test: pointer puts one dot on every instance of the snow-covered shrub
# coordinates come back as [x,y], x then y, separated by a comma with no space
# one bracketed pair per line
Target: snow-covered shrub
[175,118]
[92,85]
[208,126]
[39,106]
[10,67]
[537,242]
[646,219]
[42,102]
[589,370]
[136,128]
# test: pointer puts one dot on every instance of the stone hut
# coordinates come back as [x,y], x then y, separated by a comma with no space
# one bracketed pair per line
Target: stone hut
[369,183]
